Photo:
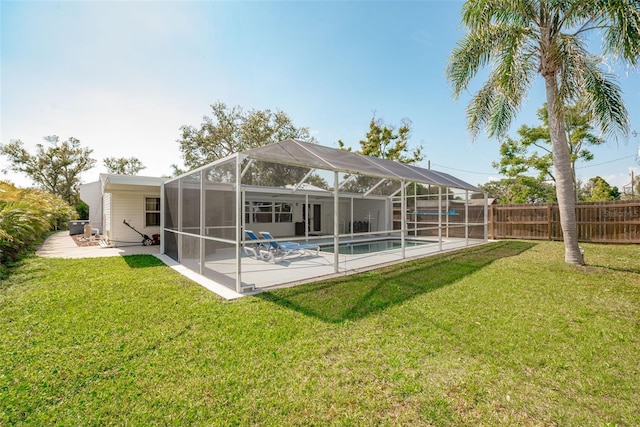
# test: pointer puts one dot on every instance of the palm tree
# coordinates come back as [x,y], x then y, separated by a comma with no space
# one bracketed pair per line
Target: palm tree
[523,39]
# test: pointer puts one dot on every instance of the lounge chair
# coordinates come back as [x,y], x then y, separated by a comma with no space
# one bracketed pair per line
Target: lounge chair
[259,249]
[284,248]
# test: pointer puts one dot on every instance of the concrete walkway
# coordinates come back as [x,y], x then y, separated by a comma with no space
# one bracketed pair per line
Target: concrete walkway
[61,245]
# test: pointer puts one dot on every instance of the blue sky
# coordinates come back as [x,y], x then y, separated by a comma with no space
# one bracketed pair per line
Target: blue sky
[124,76]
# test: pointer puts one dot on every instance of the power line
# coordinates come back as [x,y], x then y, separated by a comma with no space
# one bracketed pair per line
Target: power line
[604,163]
[496,173]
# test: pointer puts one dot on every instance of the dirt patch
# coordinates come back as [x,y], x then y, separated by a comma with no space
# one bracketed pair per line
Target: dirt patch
[83,241]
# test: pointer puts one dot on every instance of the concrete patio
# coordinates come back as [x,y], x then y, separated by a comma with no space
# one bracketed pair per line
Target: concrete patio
[61,245]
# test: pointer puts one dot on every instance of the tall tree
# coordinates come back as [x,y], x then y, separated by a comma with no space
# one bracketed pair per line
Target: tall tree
[388,142]
[599,190]
[230,130]
[521,155]
[123,165]
[520,40]
[520,189]
[55,167]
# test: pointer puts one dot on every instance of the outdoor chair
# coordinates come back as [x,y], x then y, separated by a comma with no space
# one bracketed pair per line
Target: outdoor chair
[259,249]
[284,248]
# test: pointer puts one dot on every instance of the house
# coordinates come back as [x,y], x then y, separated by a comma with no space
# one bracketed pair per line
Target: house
[114,199]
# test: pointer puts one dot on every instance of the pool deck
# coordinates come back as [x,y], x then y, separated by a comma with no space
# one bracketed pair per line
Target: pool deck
[295,270]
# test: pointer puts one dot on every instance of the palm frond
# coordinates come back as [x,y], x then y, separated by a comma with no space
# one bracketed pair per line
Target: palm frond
[477,14]
[603,98]
[571,53]
[479,108]
[495,105]
[471,54]
[621,20]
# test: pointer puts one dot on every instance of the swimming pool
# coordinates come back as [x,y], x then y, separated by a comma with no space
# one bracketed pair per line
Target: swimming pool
[372,246]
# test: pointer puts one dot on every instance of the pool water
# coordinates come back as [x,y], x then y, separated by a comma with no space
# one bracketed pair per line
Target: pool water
[373,246]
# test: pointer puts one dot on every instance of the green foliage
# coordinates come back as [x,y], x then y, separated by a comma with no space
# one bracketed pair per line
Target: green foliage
[520,189]
[230,130]
[484,336]
[82,209]
[599,190]
[123,165]
[522,156]
[385,142]
[55,168]
[519,40]
[26,215]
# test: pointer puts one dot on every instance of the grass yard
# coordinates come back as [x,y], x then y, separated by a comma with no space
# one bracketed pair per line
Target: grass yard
[502,334]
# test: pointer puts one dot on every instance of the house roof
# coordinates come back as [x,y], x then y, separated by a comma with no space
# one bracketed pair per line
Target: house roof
[299,153]
[110,181]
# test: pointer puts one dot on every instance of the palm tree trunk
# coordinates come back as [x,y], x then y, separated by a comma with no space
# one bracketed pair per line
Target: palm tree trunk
[565,187]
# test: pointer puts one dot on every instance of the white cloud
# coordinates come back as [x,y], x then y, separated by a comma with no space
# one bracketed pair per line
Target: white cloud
[623,178]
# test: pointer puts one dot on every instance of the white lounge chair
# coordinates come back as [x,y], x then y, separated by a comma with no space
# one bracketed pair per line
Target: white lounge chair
[284,248]
[260,248]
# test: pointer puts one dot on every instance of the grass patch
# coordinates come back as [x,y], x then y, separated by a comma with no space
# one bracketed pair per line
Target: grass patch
[503,334]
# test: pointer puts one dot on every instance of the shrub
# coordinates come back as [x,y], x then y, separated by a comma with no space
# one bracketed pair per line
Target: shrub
[26,216]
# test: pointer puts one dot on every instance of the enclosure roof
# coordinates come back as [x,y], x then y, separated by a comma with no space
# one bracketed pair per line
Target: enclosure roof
[298,153]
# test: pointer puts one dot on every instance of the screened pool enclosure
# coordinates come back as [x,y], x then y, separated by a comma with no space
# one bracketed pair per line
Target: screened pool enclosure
[315,211]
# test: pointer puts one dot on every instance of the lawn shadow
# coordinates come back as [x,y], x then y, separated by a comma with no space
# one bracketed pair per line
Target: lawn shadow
[358,296]
[618,269]
[142,261]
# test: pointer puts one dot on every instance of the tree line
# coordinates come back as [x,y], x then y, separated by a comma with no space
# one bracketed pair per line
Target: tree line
[56,165]
[527,165]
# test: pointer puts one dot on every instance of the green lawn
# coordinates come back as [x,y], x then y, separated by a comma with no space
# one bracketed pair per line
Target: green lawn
[502,334]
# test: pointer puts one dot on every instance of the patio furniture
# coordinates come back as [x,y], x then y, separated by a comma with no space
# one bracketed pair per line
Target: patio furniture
[283,248]
[260,248]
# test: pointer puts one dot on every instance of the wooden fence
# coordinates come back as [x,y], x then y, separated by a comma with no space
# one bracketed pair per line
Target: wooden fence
[602,222]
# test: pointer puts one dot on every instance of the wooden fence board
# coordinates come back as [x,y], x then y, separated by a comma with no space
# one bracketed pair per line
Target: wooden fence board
[602,222]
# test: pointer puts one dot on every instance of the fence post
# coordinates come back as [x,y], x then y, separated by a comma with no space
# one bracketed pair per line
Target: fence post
[492,218]
[549,221]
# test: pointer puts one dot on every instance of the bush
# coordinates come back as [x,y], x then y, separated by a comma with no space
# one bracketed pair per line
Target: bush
[82,209]
[26,216]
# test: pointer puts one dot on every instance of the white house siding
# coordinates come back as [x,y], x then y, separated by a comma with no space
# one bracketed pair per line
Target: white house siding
[106,214]
[362,208]
[130,206]
[376,209]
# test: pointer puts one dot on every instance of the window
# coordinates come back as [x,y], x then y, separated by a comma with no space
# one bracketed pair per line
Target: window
[151,211]
[283,212]
[262,211]
[267,212]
